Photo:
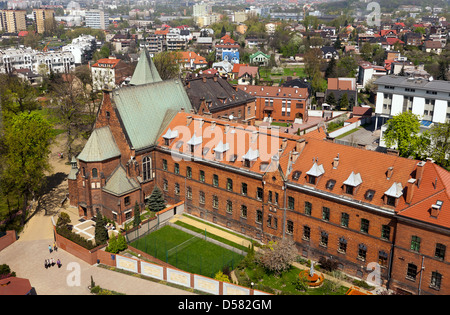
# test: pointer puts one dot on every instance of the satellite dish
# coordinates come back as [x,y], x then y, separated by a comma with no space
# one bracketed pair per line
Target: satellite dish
[231,117]
[430,79]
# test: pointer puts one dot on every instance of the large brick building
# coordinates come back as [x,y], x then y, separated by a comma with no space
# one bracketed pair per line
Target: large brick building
[363,209]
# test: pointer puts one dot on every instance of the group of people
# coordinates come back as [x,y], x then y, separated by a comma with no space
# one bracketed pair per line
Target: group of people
[51,262]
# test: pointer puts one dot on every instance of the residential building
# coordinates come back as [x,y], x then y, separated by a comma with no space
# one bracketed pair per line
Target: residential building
[360,208]
[13,21]
[368,72]
[340,86]
[215,97]
[191,60]
[433,46]
[248,75]
[39,62]
[278,103]
[109,73]
[259,59]
[97,19]
[153,43]
[43,19]
[427,98]
[226,45]
[82,48]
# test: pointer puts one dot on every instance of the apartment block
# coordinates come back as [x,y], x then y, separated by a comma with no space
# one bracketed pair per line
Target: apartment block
[427,98]
[13,21]
[97,19]
[43,18]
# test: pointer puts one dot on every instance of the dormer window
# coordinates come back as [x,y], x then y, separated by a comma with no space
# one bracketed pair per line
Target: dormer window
[393,194]
[250,157]
[169,136]
[193,142]
[352,182]
[220,149]
[314,173]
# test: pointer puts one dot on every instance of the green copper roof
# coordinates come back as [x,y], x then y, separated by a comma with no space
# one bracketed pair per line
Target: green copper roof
[100,146]
[145,71]
[259,53]
[146,109]
[119,184]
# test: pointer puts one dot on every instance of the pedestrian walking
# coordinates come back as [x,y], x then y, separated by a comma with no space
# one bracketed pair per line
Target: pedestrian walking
[58,262]
[50,248]
[46,264]
[53,262]
[55,248]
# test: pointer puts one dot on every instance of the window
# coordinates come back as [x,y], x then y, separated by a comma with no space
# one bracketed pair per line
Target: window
[259,193]
[330,184]
[164,162]
[440,251]
[202,176]
[342,247]
[364,225]
[411,272]
[201,198]
[94,173]
[325,213]
[291,203]
[229,184]
[215,202]
[147,168]
[323,239]
[385,232]
[272,222]
[276,198]
[229,206]
[215,180]
[382,258]
[290,227]
[344,219]
[369,194]
[436,279]
[308,207]
[176,168]
[126,201]
[259,216]
[312,179]
[349,189]
[362,252]
[177,189]
[270,196]
[189,193]
[390,201]
[165,185]
[244,211]
[188,172]
[415,243]
[306,232]
[244,189]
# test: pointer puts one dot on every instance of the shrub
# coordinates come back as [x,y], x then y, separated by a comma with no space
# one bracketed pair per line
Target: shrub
[328,264]
[76,238]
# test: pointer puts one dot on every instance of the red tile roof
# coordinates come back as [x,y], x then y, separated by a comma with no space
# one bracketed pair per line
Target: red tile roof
[111,63]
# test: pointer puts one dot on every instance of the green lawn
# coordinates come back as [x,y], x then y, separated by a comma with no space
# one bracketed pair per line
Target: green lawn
[195,256]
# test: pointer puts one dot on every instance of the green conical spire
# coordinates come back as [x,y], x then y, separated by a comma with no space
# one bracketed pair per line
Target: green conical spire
[145,71]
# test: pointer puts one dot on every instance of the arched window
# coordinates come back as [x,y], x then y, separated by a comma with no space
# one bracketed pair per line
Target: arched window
[147,168]
[94,173]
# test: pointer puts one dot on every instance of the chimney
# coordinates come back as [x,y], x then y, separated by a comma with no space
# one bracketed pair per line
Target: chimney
[300,145]
[389,172]
[336,161]
[393,152]
[295,155]
[434,211]
[419,171]
[410,188]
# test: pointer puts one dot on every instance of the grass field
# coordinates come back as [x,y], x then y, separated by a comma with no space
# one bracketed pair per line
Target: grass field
[194,255]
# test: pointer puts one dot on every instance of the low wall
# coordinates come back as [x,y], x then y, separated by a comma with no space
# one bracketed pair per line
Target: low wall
[6,240]
[179,277]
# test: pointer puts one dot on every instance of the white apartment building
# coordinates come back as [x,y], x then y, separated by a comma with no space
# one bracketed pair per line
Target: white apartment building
[427,98]
[82,48]
[97,19]
[37,61]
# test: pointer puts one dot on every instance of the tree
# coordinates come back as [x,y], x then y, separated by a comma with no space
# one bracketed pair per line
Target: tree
[403,132]
[439,143]
[331,99]
[278,257]
[343,102]
[166,63]
[63,219]
[26,140]
[100,232]
[156,201]
[137,216]
[330,72]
